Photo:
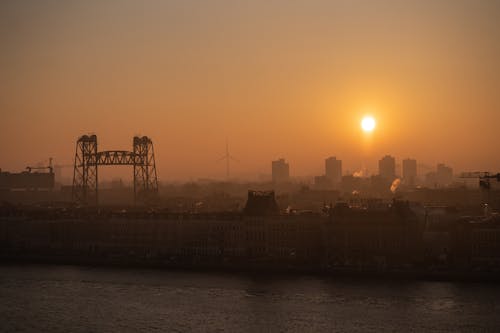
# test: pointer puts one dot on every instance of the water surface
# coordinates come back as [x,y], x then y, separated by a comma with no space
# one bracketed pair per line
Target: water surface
[95,299]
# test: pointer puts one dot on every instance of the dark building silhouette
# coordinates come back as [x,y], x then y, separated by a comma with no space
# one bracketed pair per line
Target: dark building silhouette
[333,170]
[475,242]
[280,171]
[27,180]
[387,167]
[372,237]
[409,171]
[261,203]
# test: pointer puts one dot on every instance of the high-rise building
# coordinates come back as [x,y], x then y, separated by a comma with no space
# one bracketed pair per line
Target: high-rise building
[333,169]
[387,167]
[280,171]
[444,174]
[409,171]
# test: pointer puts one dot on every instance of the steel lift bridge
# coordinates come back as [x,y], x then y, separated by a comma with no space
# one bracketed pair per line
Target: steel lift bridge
[88,158]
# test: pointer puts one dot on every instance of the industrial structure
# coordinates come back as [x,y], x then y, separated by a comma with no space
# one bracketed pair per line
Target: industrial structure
[88,158]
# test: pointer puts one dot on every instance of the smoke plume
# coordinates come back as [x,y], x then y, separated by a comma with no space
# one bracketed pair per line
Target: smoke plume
[395,185]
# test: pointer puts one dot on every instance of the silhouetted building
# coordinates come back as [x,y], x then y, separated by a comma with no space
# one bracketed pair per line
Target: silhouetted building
[333,170]
[261,203]
[387,167]
[280,171]
[409,171]
[27,180]
[377,238]
[444,175]
[476,242]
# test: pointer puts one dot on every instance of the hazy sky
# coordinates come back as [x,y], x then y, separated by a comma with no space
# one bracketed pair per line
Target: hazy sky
[285,79]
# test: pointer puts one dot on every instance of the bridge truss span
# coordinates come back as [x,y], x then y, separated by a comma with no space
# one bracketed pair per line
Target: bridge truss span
[117,157]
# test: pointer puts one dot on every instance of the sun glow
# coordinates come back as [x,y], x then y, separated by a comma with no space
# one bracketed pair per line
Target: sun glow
[368,124]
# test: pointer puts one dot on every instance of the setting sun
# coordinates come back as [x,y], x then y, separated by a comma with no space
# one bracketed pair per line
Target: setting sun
[368,124]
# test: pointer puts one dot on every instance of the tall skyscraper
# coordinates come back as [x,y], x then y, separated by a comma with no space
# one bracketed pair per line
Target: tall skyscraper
[409,171]
[333,169]
[280,171]
[387,167]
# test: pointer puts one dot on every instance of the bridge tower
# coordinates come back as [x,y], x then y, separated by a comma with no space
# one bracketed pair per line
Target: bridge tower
[145,178]
[85,171]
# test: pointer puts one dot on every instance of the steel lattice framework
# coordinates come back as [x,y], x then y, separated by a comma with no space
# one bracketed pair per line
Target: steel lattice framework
[87,159]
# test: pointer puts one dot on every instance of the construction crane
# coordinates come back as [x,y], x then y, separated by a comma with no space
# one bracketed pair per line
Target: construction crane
[484,184]
[483,176]
[40,166]
[29,168]
[51,167]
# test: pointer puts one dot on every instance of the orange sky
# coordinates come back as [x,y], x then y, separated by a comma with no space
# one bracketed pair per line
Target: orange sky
[277,78]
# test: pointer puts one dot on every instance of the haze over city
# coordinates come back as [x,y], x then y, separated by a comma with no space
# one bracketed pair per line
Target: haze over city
[249,166]
[276,79]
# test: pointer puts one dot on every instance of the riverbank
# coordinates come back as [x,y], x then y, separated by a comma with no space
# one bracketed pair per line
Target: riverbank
[261,268]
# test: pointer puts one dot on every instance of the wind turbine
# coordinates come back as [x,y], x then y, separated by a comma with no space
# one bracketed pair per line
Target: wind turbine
[227,157]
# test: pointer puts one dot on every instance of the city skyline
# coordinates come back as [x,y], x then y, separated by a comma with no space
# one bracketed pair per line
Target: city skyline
[277,79]
[417,173]
[421,170]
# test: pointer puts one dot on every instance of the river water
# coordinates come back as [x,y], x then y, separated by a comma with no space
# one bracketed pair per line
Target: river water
[36,298]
